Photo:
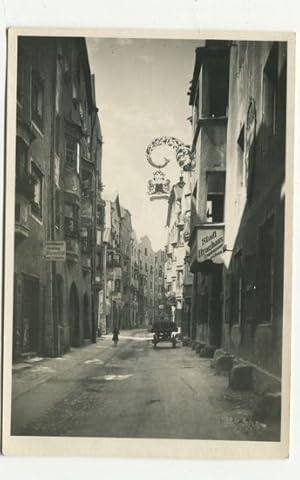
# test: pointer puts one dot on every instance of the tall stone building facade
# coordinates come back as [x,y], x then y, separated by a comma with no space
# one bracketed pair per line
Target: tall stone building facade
[209,101]
[238,99]
[58,166]
[255,203]
[178,278]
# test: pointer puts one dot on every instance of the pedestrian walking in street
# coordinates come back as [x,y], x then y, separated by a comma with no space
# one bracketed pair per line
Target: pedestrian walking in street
[115,337]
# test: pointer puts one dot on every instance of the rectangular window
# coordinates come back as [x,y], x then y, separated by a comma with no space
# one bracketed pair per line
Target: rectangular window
[37,99]
[146,252]
[215,101]
[215,197]
[37,202]
[73,155]
[86,184]
[71,220]
[99,262]
[86,240]
[117,285]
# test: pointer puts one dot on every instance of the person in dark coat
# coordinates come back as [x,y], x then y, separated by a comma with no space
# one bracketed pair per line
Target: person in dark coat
[115,337]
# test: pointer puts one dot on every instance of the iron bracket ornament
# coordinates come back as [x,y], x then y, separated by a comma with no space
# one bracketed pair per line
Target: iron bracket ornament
[184,155]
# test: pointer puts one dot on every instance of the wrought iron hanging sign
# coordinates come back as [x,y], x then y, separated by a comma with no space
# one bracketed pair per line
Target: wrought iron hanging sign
[182,152]
[159,186]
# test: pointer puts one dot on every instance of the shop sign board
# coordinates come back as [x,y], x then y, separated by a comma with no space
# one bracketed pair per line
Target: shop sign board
[210,243]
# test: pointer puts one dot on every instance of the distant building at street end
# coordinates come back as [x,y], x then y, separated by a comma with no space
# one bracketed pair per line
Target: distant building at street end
[133,283]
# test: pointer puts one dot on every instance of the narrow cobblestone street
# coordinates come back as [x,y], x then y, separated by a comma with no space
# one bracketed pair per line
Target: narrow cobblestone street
[131,391]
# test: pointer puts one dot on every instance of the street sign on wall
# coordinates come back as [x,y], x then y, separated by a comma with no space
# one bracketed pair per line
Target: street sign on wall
[55,251]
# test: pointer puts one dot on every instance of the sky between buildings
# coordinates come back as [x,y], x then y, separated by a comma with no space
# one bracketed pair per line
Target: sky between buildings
[141,92]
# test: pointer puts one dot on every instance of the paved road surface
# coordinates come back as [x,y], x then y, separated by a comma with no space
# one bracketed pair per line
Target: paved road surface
[131,391]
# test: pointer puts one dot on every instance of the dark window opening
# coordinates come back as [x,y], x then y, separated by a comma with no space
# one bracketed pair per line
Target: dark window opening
[37,201]
[215,208]
[217,80]
[117,285]
[37,99]
[86,183]
[71,221]
[73,155]
[215,197]
[86,241]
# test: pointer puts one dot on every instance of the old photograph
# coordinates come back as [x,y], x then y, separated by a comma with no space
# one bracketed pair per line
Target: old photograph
[149,269]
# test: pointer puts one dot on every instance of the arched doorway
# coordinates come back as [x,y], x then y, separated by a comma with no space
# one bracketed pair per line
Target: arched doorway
[86,317]
[74,317]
